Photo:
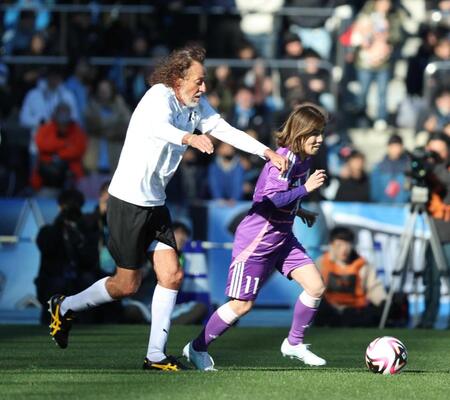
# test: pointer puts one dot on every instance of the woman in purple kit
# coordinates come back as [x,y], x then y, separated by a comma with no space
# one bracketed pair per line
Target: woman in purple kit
[264,240]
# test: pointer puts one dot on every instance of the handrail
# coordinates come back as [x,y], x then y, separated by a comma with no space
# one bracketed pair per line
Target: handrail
[149,9]
[211,62]
[144,61]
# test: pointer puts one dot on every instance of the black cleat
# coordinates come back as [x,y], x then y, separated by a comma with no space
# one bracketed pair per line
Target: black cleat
[59,325]
[170,363]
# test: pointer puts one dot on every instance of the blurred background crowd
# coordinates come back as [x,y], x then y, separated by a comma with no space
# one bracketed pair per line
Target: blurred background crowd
[71,75]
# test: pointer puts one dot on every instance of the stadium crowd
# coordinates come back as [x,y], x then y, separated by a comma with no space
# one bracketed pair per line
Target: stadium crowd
[63,123]
[46,146]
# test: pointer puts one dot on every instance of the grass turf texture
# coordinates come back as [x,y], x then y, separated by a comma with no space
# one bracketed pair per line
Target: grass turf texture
[104,362]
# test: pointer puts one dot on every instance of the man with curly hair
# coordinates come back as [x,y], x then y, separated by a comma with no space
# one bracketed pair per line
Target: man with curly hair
[160,130]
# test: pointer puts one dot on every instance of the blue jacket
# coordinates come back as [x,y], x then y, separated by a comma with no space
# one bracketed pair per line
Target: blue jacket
[226,183]
[387,181]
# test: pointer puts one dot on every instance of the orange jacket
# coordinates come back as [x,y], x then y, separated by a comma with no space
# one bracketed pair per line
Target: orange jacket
[70,148]
[438,209]
[344,286]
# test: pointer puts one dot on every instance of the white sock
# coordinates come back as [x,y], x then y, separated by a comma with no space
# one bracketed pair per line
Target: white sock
[162,306]
[93,296]
[226,314]
[309,301]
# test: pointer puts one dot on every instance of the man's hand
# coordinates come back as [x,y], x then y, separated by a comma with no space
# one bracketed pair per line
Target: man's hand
[200,142]
[308,217]
[316,180]
[279,161]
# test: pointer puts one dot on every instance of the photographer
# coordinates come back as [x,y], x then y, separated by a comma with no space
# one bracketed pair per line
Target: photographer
[438,180]
[69,253]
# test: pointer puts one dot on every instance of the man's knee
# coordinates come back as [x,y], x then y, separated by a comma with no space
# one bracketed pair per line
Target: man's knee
[129,288]
[123,285]
[171,279]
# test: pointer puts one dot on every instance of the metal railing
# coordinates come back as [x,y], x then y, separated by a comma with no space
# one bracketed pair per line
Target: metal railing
[275,65]
[150,9]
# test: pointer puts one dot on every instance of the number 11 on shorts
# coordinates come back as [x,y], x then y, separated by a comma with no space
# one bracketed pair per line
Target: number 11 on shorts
[248,283]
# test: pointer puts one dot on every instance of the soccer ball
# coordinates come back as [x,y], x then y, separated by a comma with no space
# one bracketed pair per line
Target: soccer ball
[386,355]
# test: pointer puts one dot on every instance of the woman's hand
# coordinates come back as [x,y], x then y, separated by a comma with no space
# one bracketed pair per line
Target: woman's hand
[316,180]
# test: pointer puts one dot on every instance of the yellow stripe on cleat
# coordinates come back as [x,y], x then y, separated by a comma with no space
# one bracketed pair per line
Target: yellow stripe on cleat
[165,367]
[55,325]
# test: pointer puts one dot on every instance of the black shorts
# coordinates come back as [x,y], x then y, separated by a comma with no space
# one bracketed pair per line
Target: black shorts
[132,228]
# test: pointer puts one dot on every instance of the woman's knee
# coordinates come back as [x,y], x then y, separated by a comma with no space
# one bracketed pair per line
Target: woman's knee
[316,290]
[315,287]
[241,307]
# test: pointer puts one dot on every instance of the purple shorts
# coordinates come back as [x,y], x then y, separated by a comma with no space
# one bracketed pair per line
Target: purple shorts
[245,278]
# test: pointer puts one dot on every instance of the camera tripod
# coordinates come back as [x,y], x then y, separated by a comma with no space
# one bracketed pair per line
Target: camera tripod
[418,207]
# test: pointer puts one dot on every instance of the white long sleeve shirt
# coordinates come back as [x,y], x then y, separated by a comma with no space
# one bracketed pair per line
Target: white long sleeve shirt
[152,150]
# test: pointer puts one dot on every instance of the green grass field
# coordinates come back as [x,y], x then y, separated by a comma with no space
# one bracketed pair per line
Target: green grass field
[104,362]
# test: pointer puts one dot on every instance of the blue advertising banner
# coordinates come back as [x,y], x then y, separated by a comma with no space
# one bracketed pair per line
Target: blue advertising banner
[377,226]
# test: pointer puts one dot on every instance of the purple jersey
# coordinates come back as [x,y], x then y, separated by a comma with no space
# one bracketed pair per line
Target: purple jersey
[275,203]
[264,240]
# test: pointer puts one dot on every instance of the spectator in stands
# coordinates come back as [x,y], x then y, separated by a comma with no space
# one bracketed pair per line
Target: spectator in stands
[135,77]
[436,117]
[272,100]
[107,118]
[442,47]
[316,81]
[18,38]
[69,254]
[251,175]
[439,5]
[259,24]
[61,144]
[446,130]
[375,33]
[13,13]
[222,84]
[354,296]
[79,84]
[27,75]
[387,179]
[292,47]
[441,53]
[292,50]
[311,28]
[353,181]
[417,63]
[226,175]
[242,74]
[245,114]
[41,101]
